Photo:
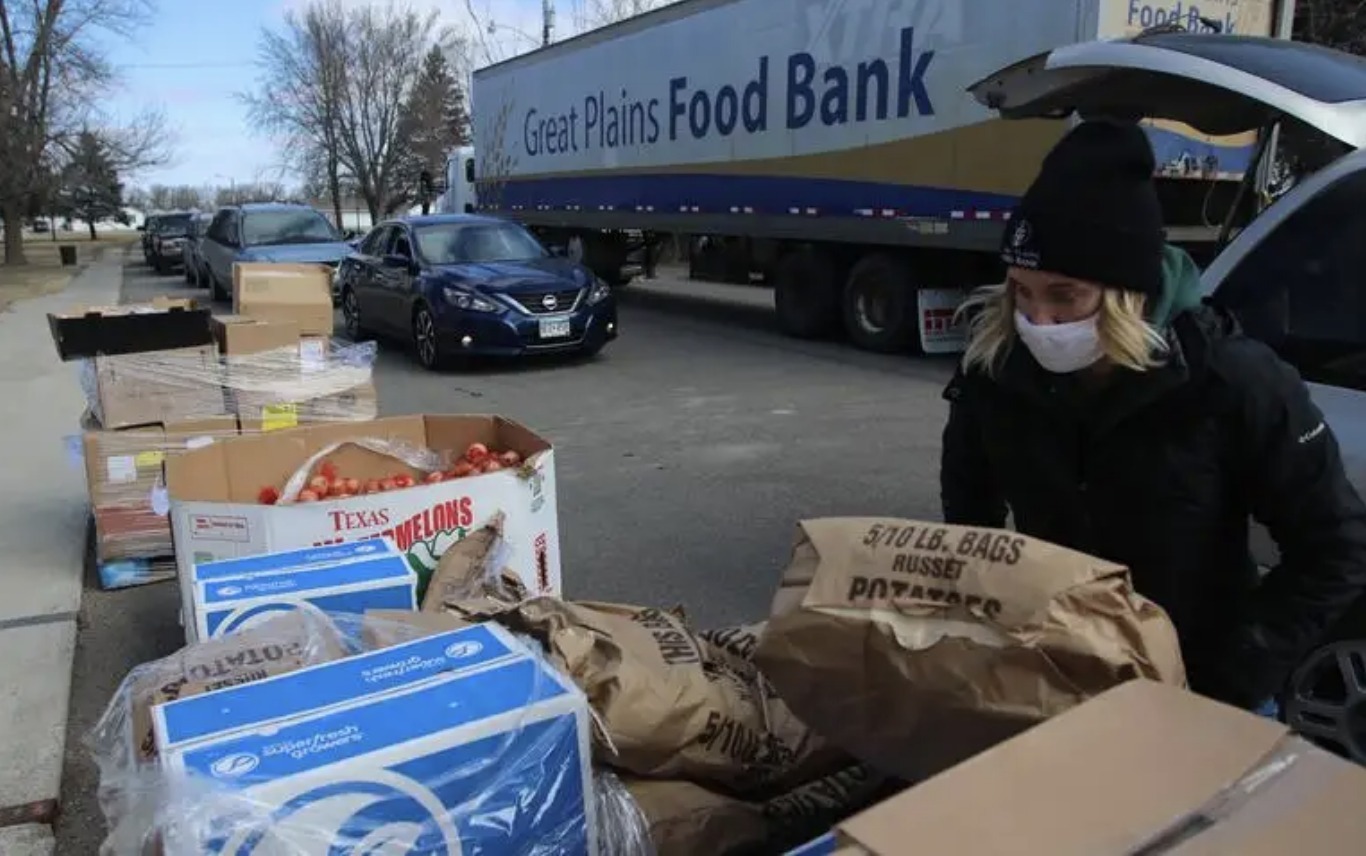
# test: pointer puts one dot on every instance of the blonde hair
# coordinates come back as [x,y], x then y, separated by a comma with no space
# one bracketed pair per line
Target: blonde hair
[1126,338]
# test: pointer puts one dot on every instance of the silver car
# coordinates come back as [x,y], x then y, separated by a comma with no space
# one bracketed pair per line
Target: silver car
[1295,275]
[193,261]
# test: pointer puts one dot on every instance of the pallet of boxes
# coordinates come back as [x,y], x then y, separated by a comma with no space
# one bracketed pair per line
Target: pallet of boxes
[167,377]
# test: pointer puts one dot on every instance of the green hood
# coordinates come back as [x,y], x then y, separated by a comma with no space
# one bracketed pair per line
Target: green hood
[1180,286]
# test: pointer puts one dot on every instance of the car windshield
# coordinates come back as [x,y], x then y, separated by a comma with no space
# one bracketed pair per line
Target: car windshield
[475,243]
[176,224]
[287,226]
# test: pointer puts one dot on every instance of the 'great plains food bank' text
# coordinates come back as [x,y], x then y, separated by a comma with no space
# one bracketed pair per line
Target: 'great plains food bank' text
[867,91]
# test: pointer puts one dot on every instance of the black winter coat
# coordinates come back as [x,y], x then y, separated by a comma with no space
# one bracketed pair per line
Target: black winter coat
[1161,471]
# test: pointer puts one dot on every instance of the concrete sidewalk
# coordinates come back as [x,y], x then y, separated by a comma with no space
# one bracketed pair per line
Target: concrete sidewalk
[43,529]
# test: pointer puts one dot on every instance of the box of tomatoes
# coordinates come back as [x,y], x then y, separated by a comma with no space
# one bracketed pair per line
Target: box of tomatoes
[423,481]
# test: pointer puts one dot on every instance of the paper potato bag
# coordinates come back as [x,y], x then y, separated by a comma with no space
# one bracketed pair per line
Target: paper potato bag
[917,645]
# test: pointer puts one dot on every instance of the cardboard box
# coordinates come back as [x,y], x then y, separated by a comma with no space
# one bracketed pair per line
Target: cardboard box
[188,721]
[261,411]
[285,292]
[1144,768]
[154,387]
[216,514]
[228,596]
[163,324]
[455,758]
[122,470]
[238,335]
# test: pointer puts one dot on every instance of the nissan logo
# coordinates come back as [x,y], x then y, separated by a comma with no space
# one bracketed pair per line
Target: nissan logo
[550,302]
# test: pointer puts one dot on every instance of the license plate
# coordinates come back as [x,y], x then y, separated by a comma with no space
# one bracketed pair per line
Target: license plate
[555,329]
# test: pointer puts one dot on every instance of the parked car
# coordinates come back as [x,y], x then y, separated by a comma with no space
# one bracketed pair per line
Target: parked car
[148,229]
[191,259]
[267,232]
[462,284]
[168,240]
[1293,275]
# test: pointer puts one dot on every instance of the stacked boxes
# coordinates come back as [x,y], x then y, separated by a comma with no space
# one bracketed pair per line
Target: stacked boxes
[228,596]
[273,367]
[459,742]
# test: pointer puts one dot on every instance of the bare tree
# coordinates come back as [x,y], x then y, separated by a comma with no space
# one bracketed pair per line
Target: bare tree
[386,50]
[52,70]
[302,74]
[334,83]
[1338,24]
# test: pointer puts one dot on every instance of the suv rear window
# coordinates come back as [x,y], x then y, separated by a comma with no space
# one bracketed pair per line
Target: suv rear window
[286,226]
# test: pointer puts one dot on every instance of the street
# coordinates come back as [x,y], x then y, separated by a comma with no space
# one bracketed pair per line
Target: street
[686,453]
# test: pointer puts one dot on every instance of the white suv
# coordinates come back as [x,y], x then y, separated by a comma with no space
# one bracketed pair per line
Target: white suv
[1295,276]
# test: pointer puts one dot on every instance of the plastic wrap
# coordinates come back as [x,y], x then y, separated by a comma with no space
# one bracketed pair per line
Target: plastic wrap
[162,403]
[320,380]
[464,741]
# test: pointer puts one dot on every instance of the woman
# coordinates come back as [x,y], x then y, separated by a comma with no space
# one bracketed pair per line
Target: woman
[1108,410]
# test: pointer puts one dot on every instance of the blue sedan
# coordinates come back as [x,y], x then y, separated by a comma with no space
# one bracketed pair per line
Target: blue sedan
[460,284]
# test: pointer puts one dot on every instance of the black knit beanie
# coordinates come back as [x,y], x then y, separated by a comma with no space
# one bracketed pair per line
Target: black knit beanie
[1092,213]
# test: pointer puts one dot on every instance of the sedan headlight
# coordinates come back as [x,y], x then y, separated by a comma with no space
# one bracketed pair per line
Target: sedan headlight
[462,299]
[599,292]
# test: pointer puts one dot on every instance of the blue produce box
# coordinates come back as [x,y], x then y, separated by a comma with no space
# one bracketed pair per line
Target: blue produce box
[489,760]
[231,595]
[337,683]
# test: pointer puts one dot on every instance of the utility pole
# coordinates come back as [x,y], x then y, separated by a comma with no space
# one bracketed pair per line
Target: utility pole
[547,21]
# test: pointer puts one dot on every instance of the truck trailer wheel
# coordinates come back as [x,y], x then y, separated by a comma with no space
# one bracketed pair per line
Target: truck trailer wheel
[806,294]
[880,305]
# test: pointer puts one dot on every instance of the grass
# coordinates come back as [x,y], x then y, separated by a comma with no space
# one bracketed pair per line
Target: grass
[44,273]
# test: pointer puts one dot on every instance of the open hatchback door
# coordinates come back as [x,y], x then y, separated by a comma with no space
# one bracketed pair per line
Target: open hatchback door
[1219,85]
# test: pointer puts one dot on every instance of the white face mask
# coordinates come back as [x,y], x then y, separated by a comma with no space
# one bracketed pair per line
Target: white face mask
[1061,348]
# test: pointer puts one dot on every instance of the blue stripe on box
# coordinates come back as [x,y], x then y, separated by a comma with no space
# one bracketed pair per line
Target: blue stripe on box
[333,683]
[296,559]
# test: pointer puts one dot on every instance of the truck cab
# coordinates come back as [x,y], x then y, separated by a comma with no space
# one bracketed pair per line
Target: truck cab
[459,196]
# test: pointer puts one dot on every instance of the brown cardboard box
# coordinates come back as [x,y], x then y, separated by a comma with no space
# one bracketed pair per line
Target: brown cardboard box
[164,323]
[238,335]
[155,386]
[1142,769]
[282,292]
[122,470]
[357,404]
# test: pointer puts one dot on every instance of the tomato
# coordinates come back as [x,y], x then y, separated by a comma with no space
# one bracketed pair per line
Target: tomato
[308,496]
[319,485]
[404,481]
[372,486]
[510,459]
[387,484]
[491,466]
[462,469]
[268,495]
[476,453]
[435,478]
[327,470]
[342,495]
[337,486]
[353,486]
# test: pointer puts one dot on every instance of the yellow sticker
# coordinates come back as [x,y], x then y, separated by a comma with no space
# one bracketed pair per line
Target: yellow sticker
[148,459]
[274,417]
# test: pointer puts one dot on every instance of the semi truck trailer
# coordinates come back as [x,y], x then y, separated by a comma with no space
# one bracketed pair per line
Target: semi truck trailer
[829,147]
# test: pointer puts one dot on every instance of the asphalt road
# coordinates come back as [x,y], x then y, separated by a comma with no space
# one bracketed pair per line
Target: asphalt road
[686,453]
